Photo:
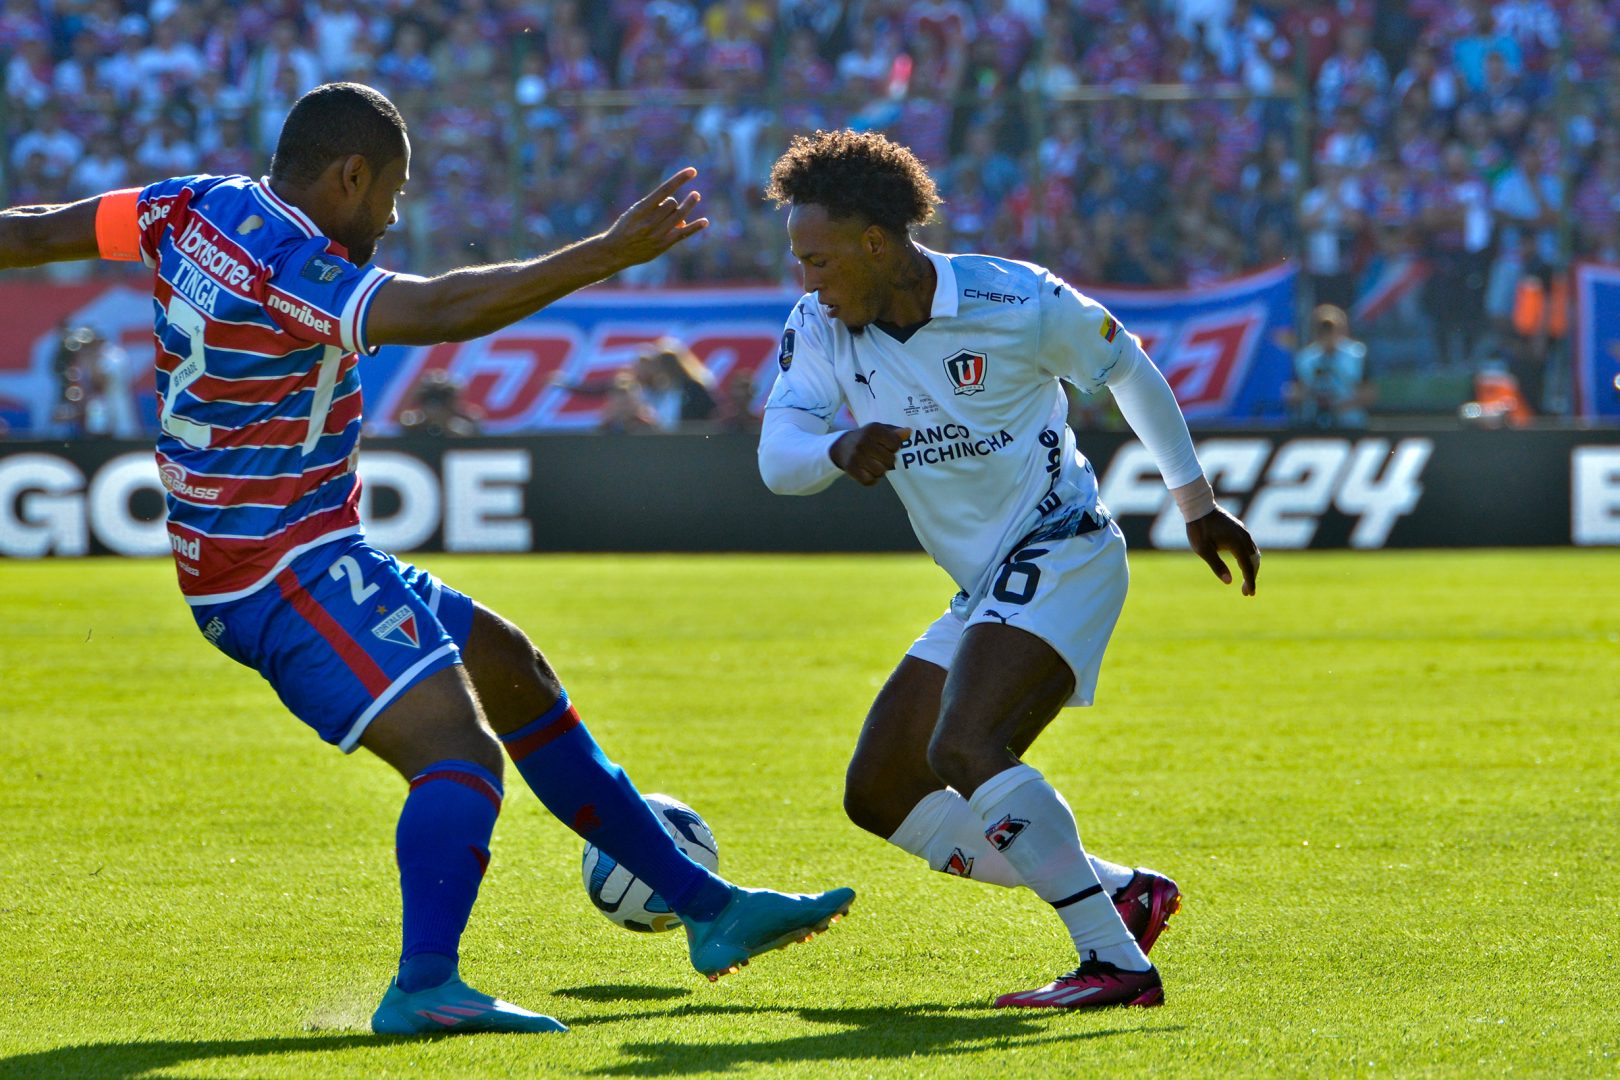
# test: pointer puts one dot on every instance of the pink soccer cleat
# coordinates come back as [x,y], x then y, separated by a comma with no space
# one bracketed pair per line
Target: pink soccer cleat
[1145,905]
[1095,984]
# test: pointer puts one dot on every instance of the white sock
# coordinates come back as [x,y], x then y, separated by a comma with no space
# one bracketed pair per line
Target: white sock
[945,833]
[1030,824]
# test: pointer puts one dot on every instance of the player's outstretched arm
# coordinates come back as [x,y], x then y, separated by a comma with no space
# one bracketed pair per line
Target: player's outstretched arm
[36,235]
[470,303]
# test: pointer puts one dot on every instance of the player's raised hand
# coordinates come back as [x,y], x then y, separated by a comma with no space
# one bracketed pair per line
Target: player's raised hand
[657,221]
[868,452]
[1218,531]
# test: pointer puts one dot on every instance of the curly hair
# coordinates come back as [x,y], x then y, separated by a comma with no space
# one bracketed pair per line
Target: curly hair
[854,173]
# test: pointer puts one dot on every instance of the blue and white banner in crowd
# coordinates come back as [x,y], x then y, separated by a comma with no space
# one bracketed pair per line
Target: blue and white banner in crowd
[1225,347]
[1597,342]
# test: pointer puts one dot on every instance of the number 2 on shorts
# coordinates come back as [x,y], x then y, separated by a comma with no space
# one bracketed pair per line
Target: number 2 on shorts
[347,567]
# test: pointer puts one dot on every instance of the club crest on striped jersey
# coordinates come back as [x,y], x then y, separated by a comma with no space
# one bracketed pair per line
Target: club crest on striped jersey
[966,370]
[1004,832]
[400,628]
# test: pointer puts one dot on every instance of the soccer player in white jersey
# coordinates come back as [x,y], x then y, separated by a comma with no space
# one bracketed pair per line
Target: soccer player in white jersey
[951,366]
[262,300]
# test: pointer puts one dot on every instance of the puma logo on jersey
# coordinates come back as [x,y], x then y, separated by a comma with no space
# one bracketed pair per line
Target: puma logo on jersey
[866,381]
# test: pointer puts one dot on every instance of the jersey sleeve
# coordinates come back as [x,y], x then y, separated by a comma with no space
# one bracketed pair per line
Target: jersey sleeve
[317,295]
[155,207]
[806,381]
[1079,340]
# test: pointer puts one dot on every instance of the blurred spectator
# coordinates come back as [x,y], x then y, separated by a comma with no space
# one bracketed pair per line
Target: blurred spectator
[1330,215]
[436,409]
[58,147]
[1539,329]
[284,65]
[93,386]
[737,405]
[1525,200]
[104,168]
[1457,215]
[335,28]
[625,410]
[1330,387]
[678,388]
[168,66]
[109,406]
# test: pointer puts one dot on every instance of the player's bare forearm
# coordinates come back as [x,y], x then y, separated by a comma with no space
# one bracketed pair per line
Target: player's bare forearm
[465,304]
[478,300]
[36,235]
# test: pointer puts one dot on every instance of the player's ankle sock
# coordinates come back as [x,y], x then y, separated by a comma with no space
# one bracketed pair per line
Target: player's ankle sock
[442,845]
[1030,824]
[944,832]
[425,970]
[591,795]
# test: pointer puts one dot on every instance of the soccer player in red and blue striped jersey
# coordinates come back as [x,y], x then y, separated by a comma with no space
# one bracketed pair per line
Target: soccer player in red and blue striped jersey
[263,297]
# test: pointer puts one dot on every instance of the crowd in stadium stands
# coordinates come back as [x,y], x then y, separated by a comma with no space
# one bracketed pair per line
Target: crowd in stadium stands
[1447,131]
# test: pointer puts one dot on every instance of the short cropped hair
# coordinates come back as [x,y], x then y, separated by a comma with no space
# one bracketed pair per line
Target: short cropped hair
[855,174]
[334,121]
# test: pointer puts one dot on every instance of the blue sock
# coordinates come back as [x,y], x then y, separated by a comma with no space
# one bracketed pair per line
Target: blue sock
[442,845]
[585,791]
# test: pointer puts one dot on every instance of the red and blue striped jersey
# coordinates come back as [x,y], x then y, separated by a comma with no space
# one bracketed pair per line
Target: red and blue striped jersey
[258,321]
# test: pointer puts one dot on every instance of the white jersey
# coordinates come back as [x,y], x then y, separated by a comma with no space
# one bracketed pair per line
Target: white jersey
[991,457]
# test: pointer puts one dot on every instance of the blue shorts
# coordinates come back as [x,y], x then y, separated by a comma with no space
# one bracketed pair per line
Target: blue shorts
[341,632]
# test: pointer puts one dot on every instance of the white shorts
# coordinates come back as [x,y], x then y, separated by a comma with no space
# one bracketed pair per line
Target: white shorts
[1067,592]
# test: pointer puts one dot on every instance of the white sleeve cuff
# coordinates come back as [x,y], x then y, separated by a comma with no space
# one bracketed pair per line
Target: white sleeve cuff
[352,323]
[1149,407]
[795,452]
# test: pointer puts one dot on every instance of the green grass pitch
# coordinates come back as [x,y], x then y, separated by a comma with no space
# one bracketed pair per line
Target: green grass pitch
[1387,786]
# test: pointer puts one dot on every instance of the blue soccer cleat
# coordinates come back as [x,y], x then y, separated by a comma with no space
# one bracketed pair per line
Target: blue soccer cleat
[758,920]
[453,1008]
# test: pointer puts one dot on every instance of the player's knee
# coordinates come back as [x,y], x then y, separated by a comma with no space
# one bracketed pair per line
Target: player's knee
[864,801]
[952,756]
[513,678]
[484,750]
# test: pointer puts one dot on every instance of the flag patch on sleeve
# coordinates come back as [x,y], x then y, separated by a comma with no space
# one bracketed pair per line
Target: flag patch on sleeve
[1109,328]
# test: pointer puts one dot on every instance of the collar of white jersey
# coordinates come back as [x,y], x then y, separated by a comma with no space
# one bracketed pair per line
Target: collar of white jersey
[946,298]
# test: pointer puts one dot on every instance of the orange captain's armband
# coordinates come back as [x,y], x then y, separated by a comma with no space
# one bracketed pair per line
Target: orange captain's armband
[118,233]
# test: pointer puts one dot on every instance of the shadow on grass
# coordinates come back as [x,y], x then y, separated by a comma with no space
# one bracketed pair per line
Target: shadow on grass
[908,1031]
[130,1059]
[911,1031]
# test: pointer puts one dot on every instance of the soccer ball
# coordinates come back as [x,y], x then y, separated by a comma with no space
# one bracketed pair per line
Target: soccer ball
[625,898]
